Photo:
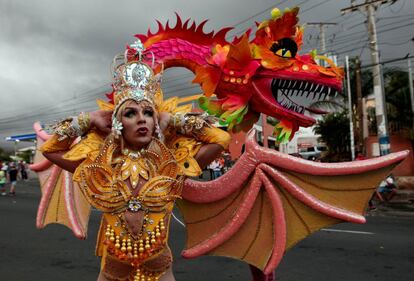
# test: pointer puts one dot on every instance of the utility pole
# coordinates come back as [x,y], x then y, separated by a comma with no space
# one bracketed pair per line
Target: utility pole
[322,37]
[351,123]
[410,85]
[359,115]
[381,115]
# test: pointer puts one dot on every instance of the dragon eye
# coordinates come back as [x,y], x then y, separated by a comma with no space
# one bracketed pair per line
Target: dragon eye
[285,48]
[284,53]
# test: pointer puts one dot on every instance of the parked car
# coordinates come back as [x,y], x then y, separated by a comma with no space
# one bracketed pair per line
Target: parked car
[312,153]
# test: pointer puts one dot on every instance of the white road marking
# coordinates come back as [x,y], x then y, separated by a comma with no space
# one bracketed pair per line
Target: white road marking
[347,231]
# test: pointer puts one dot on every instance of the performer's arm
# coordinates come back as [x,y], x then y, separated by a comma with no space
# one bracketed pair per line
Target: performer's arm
[57,158]
[60,143]
[215,140]
[208,153]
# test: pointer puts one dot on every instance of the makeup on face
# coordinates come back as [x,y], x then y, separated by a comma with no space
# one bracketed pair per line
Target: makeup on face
[138,124]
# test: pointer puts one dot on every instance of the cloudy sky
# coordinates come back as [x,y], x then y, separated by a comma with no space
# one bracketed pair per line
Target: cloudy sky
[55,54]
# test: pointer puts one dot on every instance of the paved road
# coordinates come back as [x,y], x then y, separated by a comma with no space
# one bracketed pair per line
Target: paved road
[382,249]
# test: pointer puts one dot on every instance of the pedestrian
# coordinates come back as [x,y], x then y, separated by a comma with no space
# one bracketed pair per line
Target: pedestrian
[210,169]
[387,189]
[22,170]
[216,167]
[227,162]
[2,180]
[12,172]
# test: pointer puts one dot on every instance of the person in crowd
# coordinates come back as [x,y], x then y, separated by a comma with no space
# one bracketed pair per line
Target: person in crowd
[23,170]
[216,167]
[12,174]
[387,189]
[2,180]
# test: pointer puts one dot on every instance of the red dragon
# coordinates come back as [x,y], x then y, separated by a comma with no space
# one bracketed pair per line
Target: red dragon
[248,77]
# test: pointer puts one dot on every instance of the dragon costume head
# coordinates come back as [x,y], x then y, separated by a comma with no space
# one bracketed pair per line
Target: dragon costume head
[250,76]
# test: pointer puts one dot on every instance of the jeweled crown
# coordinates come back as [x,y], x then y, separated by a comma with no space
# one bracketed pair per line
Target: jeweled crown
[134,79]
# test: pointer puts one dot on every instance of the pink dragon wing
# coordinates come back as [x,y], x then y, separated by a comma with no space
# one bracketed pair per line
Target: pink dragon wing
[62,201]
[269,201]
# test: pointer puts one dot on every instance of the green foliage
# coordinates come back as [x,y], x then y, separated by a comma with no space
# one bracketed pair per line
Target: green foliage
[4,156]
[26,155]
[397,96]
[334,131]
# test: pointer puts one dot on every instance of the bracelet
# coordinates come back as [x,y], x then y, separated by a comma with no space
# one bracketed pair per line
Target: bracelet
[72,126]
[191,123]
[84,122]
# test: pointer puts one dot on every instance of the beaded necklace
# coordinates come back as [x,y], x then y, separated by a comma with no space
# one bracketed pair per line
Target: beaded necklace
[135,164]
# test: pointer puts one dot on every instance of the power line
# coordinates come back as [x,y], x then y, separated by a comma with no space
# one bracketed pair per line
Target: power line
[354,36]
[379,32]
[304,11]
[346,38]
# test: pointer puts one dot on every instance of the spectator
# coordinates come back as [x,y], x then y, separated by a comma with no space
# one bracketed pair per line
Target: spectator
[2,180]
[216,167]
[228,163]
[210,169]
[387,189]
[23,170]
[12,178]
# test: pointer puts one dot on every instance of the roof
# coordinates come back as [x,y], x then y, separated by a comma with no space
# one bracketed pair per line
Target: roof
[26,137]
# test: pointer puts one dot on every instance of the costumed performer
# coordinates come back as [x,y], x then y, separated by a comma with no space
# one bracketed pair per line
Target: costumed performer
[135,173]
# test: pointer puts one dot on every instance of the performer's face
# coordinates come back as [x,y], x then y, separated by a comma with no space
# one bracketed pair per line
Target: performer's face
[138,124]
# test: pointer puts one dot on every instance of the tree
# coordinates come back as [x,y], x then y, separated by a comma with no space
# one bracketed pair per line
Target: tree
[4,156]
[334,131]
[399,112]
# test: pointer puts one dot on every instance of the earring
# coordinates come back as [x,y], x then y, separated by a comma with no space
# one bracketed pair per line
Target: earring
[158,132]
[116,128]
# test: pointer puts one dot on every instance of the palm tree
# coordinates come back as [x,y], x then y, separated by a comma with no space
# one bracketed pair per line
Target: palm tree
[334,131]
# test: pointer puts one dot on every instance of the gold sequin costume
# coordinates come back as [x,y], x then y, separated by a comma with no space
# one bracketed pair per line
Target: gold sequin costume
[106,189]
[136,190]
[143,255]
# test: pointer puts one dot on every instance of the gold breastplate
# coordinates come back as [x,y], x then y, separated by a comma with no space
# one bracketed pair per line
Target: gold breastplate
[103,179]
[104,185]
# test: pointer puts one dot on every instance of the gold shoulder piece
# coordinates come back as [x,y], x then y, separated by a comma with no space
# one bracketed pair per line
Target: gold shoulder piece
[79,151]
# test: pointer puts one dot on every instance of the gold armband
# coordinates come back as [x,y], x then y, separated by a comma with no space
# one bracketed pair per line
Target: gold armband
[72,127]
[199,126]
[191,124]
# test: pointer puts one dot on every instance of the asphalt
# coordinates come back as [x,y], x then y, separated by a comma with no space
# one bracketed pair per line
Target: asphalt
[380,250]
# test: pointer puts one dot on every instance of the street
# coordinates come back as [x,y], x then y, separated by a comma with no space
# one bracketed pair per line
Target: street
[382,249]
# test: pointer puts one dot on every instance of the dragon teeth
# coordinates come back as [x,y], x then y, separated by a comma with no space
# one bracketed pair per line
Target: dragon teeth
[287,89]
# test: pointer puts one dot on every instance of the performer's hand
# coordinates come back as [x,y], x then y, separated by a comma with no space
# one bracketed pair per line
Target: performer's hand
[101,119]
[164,120]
